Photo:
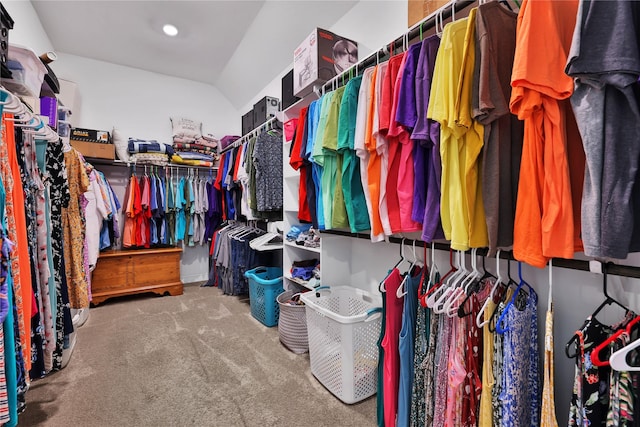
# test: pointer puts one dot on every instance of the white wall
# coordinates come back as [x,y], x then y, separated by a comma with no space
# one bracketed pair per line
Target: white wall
[27,29]
[372,23]
[140,103]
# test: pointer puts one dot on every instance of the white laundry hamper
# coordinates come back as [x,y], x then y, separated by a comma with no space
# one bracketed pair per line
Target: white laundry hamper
[343,325]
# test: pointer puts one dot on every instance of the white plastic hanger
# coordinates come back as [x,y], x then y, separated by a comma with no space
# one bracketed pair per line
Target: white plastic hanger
[463,288]
[439,305]
[402,288]
[618,359]
[456,285]
[433,269]
[433,298]
[480,317]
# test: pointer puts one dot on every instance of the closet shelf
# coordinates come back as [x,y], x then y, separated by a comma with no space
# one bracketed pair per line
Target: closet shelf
[294,109]
[303,283]
[304,248]
[122,163]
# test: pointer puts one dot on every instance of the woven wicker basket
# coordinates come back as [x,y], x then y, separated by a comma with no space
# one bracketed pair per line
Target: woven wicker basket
[292,325]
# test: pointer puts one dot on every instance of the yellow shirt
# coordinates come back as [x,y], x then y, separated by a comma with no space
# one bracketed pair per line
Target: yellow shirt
[454,209]
[471,142]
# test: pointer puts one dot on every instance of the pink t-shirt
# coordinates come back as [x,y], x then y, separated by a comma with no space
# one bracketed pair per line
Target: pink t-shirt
[402,106]
[388,191]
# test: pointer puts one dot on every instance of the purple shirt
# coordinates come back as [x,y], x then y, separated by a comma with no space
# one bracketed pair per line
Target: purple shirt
[406,113]
[426,156]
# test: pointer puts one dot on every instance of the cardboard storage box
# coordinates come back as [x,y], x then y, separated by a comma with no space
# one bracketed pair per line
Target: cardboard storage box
[420,9]
[95,150]
[90,135]
[320,57]
[93,143]
[266,108]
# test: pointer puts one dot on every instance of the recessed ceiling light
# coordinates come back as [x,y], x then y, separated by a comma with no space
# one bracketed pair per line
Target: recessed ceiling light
[170,30]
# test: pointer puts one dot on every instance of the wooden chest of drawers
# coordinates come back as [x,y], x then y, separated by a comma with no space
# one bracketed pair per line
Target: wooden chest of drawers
[129,272]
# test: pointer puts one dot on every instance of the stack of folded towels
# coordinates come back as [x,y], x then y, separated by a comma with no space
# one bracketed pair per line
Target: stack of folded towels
[150,152]
[191,151]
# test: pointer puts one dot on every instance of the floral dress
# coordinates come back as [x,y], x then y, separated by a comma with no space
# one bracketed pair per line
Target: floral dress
[73,224]
[520,394]
[590,399]
[59,199]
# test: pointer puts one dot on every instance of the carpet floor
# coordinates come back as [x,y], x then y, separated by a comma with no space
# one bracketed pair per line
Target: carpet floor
[199,359]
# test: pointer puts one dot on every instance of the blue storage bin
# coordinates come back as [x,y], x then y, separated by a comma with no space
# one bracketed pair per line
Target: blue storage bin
[265,284]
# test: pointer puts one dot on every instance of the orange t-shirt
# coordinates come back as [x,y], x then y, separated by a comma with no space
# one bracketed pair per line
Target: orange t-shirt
[544,223]
[375,161]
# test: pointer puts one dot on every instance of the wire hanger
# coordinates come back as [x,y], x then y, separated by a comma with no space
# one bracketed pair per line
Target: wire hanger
[608,301]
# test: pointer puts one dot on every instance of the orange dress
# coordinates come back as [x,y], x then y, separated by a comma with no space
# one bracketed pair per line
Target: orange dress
[17,233]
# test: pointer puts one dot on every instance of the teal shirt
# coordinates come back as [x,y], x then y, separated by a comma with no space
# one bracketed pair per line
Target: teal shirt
[354,198]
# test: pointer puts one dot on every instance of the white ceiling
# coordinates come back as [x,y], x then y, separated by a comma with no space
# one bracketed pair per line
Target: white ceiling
[238,46]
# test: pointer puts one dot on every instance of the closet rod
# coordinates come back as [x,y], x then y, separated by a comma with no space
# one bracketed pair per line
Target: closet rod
[571,264]
[244,138]
[422,26]
[118,162]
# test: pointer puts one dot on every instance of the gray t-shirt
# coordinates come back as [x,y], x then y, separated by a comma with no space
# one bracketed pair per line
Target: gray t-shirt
[605,62]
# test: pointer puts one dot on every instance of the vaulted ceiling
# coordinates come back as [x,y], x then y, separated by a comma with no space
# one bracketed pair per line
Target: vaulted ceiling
[238,46]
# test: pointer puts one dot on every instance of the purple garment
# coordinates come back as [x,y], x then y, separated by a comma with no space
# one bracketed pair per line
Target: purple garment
[228,140]
[406,113]
[426,156]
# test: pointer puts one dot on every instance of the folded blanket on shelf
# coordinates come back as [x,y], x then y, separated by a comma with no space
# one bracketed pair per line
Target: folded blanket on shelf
[177,159]
[198,148]
[192,155]
[208,140]
[157,159]
[183,140]
[151,146]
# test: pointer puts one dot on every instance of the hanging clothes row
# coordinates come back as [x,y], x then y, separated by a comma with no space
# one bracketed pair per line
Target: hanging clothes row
[606,378]
[163,209]
[460,349]
[53,209]
[250,178]
[232,256]
[466,135]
